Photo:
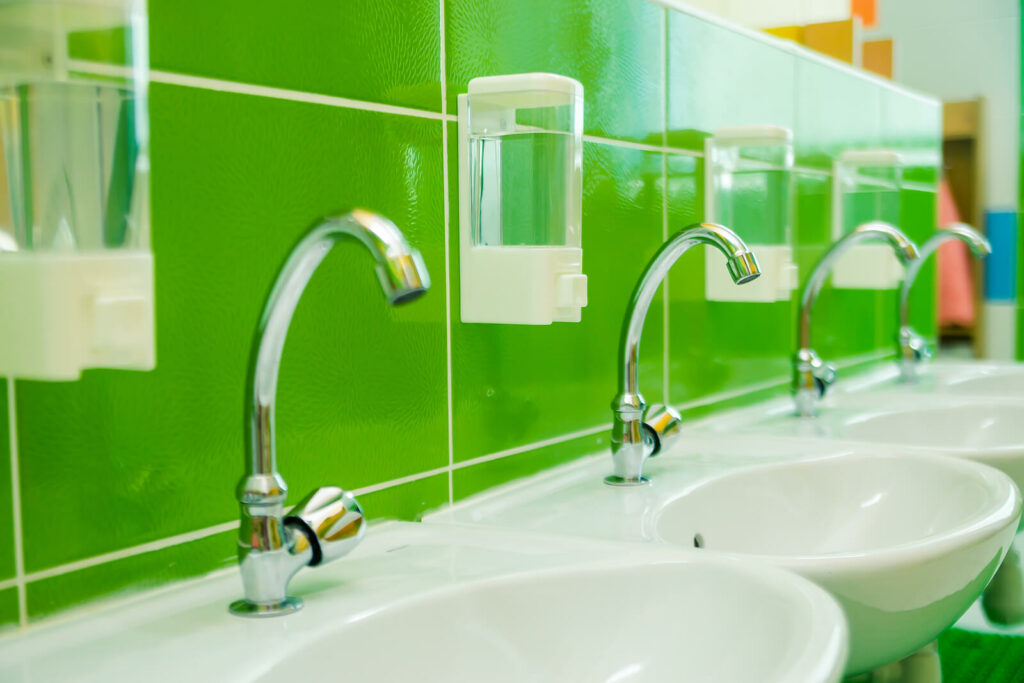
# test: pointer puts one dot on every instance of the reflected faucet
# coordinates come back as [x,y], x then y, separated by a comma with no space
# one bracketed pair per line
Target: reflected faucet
[637,435]
[811,376]
[328,523]
[912,346]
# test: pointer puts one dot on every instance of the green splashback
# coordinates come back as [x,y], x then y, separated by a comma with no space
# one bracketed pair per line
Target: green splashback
[266,118]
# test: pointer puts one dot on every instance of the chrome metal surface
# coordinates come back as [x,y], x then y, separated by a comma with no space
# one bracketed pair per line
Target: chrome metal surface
[912,347]
[327,523]
[632,440]
[811,375]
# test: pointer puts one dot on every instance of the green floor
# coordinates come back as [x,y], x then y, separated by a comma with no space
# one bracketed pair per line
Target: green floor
[969,657]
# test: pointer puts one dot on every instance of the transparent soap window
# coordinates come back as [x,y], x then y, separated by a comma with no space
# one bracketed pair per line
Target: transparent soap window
[73,126]
[751,187]
[525,167]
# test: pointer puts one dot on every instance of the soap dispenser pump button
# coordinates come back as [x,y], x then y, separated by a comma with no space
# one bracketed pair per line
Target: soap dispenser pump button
[571,290]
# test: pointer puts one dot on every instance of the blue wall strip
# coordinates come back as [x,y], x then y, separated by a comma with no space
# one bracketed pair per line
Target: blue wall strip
[1001,266]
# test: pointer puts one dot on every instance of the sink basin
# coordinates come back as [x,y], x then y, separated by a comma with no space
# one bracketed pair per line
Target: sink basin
[634,623]
[437,603]
[906,543]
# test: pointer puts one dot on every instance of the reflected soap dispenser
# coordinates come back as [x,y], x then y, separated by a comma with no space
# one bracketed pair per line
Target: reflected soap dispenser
[76,269]
[520,200]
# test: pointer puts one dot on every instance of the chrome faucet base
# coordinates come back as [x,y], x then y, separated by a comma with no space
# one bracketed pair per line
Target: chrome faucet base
[614,480]
[245,608]
[328,523]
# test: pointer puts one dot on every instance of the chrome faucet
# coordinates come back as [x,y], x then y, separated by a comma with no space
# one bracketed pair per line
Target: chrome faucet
[328,523]
[913,348]
[637,435]
[812,376]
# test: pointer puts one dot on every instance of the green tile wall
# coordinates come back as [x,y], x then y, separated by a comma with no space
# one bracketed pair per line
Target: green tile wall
[131,462]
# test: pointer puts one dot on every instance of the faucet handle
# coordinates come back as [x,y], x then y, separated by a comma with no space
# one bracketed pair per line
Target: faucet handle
[824,376]
[914,346]
[663,424]
[330,521]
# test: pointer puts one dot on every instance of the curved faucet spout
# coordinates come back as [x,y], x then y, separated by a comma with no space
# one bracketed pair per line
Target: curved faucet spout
[811,376]
[912,347]
[631,443]
[739,259]
[403,277]
[273,545]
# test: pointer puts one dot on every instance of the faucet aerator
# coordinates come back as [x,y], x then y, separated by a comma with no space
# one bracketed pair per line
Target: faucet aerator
[743,267]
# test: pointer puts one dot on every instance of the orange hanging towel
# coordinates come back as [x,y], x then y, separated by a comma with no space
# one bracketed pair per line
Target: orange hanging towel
[956,284]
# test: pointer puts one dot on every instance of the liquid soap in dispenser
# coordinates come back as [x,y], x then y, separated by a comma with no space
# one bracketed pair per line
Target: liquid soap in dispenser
[520,200]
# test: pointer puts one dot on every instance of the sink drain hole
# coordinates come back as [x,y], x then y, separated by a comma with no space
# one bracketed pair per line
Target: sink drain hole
[698,541]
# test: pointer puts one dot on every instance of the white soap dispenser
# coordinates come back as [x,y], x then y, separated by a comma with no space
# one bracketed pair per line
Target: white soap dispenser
[520,200]
[76,269]
[867,186]
[748,187]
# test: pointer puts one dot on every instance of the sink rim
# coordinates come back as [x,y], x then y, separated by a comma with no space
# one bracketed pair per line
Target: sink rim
[825,630]
[990,523]
[154,628]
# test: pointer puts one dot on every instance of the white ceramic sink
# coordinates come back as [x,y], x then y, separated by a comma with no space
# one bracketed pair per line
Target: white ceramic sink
[906,543]
[450,604]
[987,430]
[991,379]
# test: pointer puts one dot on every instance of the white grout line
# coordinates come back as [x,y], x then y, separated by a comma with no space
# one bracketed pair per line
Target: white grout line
[532,446]
[19,545]
[408,479]
[170,78]
[445,180]
[643,146]
[187,537]
[124,553]
[711,399]
[10,583]
[239,88]
[666,362]
[665,332]
[221,85]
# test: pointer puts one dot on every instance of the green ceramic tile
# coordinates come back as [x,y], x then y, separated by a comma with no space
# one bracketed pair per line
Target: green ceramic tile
[131,574]
[112,46]
[407,502]
[517,384]
[912,125]
[6,510]
[364,49]
[845,321]
[836,109]
[8,609]
[1020,333]
[613,48]
[919,218]
[471,480]
[715,345]
[362,394]
[719,77]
